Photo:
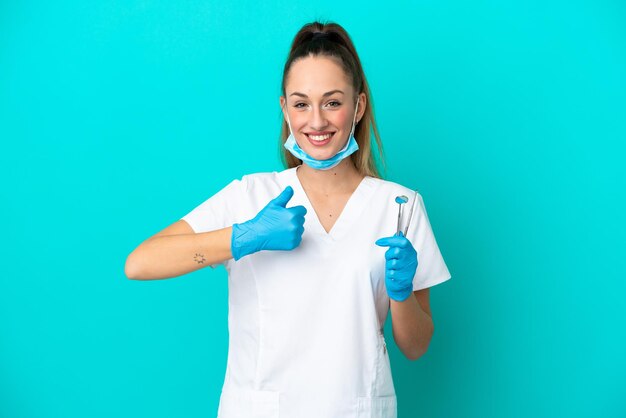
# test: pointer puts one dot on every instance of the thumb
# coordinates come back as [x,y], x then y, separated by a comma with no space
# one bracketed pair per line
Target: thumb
[383,242]
[283,197]
[397,240]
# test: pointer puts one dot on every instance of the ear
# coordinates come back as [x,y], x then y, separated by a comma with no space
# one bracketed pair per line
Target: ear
[282,106]
[362,106]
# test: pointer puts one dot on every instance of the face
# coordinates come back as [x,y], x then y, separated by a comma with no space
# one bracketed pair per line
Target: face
[320,103]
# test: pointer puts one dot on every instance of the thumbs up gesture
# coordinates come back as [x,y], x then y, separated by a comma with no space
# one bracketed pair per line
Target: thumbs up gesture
[275,227]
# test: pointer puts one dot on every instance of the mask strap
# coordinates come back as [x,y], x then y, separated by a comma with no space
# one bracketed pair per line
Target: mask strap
[354,119]
[288,121]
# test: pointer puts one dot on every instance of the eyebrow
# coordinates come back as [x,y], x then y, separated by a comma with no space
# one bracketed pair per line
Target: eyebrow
[328,93]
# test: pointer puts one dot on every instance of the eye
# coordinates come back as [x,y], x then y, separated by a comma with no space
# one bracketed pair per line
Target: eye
[334,103]
[297,105]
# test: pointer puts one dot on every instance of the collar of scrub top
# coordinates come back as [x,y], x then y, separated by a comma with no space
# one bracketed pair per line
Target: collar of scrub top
[355,206]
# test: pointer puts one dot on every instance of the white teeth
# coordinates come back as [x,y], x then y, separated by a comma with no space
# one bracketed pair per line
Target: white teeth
[320,137]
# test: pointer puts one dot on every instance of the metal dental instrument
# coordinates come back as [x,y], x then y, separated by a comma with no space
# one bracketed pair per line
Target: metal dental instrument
[400,200]
[410,214]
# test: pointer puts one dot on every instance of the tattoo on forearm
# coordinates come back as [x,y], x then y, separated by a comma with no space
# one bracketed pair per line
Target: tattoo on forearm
[199,258]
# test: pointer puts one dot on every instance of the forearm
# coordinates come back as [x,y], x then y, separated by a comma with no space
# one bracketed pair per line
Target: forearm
[412,327]
[168,256]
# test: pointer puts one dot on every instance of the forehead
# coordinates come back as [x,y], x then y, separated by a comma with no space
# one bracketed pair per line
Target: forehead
[315,75]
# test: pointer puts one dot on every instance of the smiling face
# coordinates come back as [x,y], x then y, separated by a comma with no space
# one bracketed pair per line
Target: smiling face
[320,104]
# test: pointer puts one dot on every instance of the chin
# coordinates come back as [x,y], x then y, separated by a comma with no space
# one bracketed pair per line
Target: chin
[323,155]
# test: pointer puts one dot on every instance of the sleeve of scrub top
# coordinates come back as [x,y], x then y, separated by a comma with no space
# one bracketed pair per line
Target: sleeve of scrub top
[216,212]
[431,268]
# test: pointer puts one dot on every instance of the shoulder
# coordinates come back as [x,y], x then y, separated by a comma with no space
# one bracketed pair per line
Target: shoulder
[264,179]
[260,176]
[393,188]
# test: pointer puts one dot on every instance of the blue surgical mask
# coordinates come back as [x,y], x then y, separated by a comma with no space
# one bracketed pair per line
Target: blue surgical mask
[351,146]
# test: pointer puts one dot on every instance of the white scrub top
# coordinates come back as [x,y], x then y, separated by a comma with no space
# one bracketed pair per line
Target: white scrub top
[306,326]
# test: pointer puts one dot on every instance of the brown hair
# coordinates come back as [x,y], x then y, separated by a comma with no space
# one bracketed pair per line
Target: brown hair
[332,40]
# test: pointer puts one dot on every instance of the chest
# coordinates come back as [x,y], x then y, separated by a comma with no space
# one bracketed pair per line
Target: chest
[327,208]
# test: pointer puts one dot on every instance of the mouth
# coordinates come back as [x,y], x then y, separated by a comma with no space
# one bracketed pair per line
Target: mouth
[319,140]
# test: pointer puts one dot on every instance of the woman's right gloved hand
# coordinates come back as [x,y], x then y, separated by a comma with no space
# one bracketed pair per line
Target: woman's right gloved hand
[275,227]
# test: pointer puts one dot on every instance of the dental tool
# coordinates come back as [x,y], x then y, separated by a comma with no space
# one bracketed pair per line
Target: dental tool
[400,200]
[410,214]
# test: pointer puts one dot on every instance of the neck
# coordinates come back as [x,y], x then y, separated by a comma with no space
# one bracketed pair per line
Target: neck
[342,178]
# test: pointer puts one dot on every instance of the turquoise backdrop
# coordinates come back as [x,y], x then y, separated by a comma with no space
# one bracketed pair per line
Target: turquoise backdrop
[119,117]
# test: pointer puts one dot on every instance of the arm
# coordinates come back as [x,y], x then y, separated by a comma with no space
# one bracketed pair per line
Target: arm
[412,324]
[177,250]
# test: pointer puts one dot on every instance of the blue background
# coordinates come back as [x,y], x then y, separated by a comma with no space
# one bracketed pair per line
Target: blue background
[119,117]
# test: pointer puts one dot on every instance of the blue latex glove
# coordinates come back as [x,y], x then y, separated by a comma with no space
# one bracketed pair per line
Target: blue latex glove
[400,266]
[275,227]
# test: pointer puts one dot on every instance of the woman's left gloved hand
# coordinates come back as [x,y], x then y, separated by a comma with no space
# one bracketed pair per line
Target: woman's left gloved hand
[400,266]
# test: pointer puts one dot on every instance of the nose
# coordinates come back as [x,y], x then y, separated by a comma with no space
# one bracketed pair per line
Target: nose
[318,120]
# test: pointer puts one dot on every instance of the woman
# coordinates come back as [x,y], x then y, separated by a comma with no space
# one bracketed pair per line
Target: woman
[313,252]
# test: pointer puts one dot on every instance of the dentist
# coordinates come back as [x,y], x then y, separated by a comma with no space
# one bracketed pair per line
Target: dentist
[314,263]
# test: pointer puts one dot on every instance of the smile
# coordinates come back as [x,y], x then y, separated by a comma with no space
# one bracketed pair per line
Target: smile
[319,138]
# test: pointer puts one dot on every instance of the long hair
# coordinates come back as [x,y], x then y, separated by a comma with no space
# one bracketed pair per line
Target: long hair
[332,40]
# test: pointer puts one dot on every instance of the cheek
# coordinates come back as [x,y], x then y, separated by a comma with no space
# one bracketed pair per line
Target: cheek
[299,120]
[341,118]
